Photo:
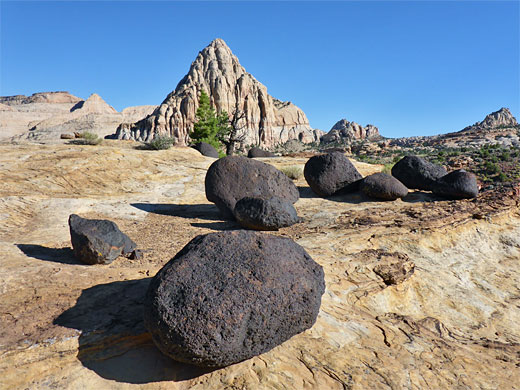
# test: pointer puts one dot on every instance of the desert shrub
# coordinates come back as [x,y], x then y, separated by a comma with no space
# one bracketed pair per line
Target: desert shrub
[159,143]
[388,169]
[492,167]
[87,138]
[293,172]
[506,156]
[501,177]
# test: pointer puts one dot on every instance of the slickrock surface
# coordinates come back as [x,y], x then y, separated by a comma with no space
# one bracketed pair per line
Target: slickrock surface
[217,71]
[420,293]
[44,116]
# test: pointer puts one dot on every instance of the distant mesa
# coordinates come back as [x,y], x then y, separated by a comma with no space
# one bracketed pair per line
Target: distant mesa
[345,132]
[217,71]
[40,97]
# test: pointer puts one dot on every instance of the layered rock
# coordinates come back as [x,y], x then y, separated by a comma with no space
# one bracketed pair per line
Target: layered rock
[217,71]
[346,132]
[44,116]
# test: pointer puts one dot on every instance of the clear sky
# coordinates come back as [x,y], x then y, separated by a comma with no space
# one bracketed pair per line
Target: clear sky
[408,67]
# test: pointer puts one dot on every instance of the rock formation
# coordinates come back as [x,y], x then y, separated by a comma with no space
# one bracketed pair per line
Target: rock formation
[345,131]
[44,116]
[268,121]
[500,118]
[265,213]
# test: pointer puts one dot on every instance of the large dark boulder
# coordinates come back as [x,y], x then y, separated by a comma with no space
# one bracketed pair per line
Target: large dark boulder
[383,186]
[206,149]
[328,173]
[417,173]
[257,152]
[265,213]
[458,184]
[229,296]
[232,178]
[98,241]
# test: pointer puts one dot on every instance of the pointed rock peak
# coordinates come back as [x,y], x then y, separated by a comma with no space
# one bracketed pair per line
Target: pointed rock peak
[500,118]
[218,42]
[94,104]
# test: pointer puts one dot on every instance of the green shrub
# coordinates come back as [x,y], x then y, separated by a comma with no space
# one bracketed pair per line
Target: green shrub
[388,169]
[293,172]
[492,167]
[159,143]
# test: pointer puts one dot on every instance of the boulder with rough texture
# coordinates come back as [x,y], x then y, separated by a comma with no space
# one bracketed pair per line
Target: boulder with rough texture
[458,184]
[232,178]
[383,186]
[217,71]
[328,173]
[345,131]
[206,149]
[417,173]
[229,296]
[257,152]
[98,241]
[265,214]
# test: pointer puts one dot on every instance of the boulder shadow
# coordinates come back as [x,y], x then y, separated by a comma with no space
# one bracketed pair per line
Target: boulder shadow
[192,211]
[114,342]
[219,226]
[306,192]
[421,196]
[57,255]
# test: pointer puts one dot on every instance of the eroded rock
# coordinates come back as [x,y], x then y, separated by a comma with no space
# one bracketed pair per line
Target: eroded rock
[417,173]
[458,184]
[265,214]
[232,178]
[383,186]
[328,173]
[229,296]
[98,241]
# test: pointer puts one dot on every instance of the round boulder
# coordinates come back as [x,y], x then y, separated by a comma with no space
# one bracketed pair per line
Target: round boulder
[257,152]
[265,214]
[417,173]
[458,184]
[229,296]
[232,178]
[326,174]
[206,149]
[383,186]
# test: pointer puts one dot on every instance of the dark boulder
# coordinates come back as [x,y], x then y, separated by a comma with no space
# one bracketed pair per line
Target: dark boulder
[229,296]
[206,149]
[417,173]
[458,184]
[265,214]
[326,174]
[383,186]
[257,152]
[232,178]
[98,241]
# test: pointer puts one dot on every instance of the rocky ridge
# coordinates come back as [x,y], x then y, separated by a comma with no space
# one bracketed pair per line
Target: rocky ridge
[43,116]
[217,71]
[345,132]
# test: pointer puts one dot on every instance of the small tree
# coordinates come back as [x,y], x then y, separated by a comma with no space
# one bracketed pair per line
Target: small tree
[234,132]
[209,124]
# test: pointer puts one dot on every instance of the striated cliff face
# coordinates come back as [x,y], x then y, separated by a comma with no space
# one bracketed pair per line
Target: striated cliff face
[217,71]
[345,131]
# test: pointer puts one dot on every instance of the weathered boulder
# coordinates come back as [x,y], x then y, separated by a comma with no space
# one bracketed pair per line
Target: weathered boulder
[98,241]
[417,173]
[328,173]
[229,296]
[232,178]
[206,149]
[257,152]
[383,186]
[265,214]
[345,131]
[458,184]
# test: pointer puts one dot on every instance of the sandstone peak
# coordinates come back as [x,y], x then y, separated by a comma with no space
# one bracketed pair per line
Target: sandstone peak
[94,104]
[217,71]
[345,131]
[501,118]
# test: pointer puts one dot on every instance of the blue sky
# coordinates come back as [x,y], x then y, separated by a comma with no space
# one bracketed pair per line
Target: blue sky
[408,67]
